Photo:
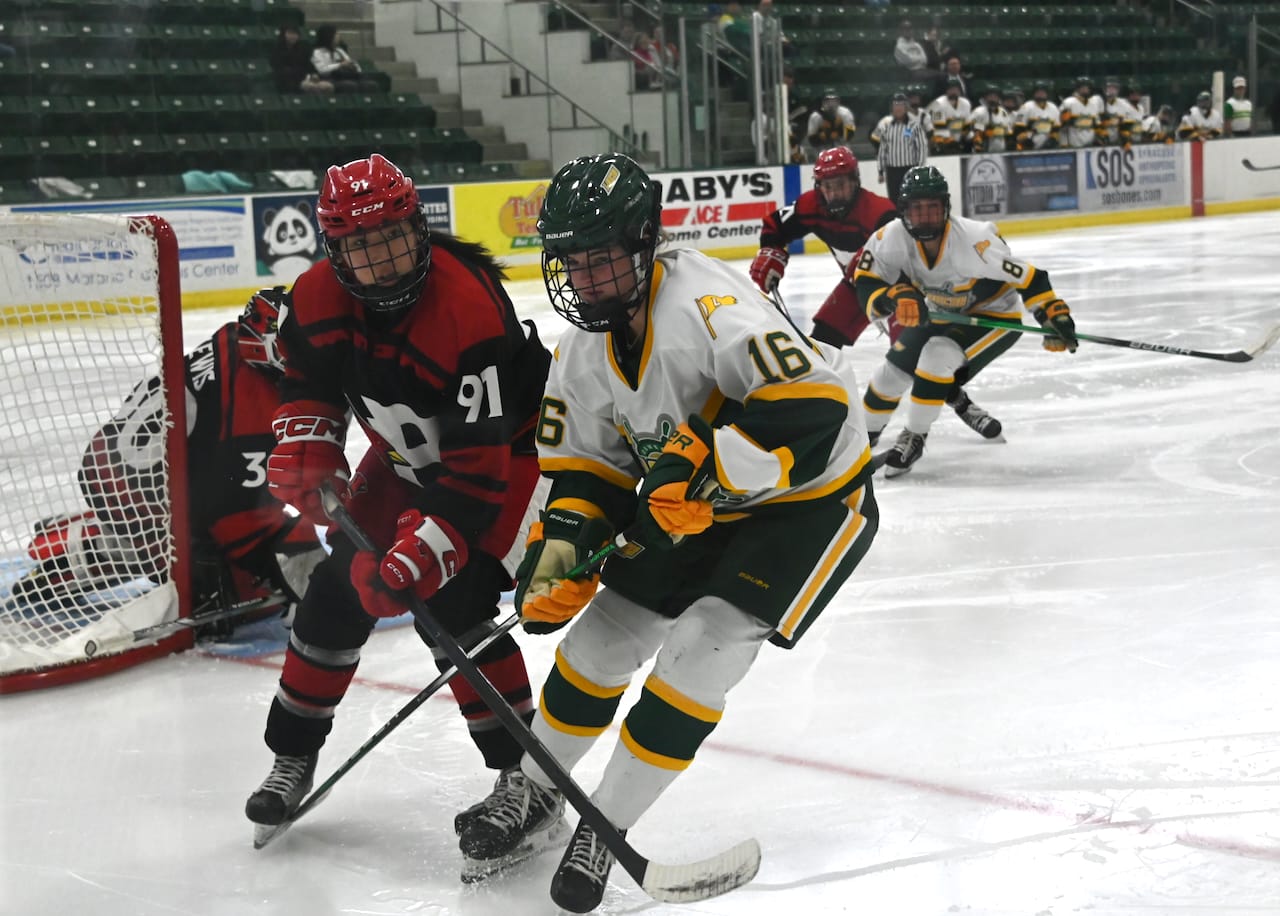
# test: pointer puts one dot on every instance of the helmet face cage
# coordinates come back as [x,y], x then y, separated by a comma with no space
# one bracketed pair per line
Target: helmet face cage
[599,223]
[374,232]
[399,253]
[836,179]
[619,285]
[259,324]
[922,184]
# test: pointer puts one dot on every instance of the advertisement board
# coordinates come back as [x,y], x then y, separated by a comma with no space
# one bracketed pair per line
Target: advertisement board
[722,209]
[1095,180]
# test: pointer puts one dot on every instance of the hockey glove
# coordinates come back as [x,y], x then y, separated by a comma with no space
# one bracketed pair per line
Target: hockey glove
[768,267]
[672,507]
[559,541]
[428,552]
[1055,316]
[906,303]
[309,439]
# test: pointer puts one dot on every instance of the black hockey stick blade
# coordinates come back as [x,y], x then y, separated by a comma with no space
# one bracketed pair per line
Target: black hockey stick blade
[1258,168]
[669,883]
[265,833]
[1234,356]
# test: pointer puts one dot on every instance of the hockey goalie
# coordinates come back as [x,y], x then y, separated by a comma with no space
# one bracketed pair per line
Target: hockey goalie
[247,552]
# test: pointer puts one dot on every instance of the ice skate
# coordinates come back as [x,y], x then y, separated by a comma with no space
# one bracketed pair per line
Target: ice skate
[905,452]
[518,820]
[274,802]
[579,883]
[977,419]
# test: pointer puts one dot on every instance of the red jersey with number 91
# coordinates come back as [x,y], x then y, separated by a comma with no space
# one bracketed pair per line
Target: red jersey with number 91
[448,390]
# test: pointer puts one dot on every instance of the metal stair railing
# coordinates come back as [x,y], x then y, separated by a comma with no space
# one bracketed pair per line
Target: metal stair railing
[529,80]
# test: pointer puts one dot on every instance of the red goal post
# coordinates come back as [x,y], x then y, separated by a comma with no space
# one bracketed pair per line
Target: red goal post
[90,310]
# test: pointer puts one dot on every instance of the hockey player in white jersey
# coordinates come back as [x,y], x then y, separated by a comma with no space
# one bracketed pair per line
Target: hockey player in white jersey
[949,114]
[991,124]
[928,260]
[1038,121]
[1202,121]
[1120,120]
[754,504]
[1081,116]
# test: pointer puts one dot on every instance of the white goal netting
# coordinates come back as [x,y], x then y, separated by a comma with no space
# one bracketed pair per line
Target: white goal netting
[86,550]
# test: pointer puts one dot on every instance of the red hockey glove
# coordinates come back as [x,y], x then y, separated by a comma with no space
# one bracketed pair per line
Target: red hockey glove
[428,552]
[1055,316]
[906,303]
[309,440]
[560,540]
[671,504]
[768,267]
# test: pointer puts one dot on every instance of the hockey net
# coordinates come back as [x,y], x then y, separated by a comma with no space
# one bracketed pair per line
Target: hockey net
[92,526]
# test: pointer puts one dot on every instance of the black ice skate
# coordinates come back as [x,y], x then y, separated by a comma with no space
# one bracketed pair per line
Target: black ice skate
[977,419]
[280,794]
[905,452]
[518,820]
[579,883]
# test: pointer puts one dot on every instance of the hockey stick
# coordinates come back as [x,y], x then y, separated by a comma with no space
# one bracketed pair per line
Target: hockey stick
[265,834]
[667,883]
[1258,168]
[1235,356]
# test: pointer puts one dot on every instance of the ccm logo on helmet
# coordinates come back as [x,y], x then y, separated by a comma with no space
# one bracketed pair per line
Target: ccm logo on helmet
[361,211]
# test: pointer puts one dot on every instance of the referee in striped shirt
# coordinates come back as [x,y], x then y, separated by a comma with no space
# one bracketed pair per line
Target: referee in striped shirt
[902,143]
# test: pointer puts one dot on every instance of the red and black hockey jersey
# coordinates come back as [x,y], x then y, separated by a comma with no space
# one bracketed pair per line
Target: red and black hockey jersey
[844,235]
[448,391]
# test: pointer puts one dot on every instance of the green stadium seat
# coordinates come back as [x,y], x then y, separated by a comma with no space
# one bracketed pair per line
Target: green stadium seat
[231,150]
[15,158]
[104,188]
[16,117]
[18,191]
[143,154]
[180,113]
[187,151]
[55,156]
[139,113]
[224,112]
[162,185]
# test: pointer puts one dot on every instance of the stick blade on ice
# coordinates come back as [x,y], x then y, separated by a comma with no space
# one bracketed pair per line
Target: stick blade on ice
[703,880]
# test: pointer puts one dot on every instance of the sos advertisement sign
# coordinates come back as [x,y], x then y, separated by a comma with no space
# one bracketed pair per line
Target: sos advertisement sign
[1149,175]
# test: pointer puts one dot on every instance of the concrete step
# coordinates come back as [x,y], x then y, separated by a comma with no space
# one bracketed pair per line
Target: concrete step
[459,117]
[318,12]
[402,68]
[487,133]
[499,152]
[534,168]
[440,101]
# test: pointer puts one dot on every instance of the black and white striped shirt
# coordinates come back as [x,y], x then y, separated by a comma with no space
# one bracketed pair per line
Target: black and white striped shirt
[900,143]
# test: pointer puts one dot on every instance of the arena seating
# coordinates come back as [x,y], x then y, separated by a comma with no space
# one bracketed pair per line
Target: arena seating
[101,93]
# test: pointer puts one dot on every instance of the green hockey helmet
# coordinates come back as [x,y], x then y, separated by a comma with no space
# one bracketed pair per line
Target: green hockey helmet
[923,183]
[596,206]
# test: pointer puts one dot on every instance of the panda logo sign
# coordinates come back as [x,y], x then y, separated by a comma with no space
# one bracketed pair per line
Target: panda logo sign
[288,240]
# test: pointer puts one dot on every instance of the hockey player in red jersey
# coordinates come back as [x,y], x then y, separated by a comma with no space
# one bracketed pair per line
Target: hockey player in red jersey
[412,333]
[244,545]
[842,214]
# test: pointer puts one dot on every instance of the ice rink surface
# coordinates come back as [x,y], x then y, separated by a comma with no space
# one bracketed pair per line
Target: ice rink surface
[1052,687]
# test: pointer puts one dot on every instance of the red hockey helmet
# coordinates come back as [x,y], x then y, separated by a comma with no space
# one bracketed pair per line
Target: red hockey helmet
[831,166]
[259,322]
[374,231]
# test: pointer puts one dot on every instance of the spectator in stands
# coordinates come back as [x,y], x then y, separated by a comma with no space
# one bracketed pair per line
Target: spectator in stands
[1201,122]
[952,69]
[909,54]
[291,64]
[648,61]
[1237,118]
[621,50]
[936,48]
[765,9]
[331,60]
[735,27]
